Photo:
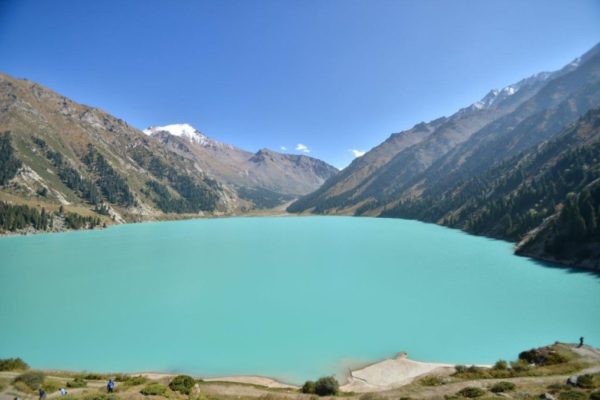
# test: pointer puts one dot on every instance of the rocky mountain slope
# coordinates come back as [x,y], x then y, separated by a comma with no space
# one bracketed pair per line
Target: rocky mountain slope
[65,159]
[265,178]
[442,175]
[546,198]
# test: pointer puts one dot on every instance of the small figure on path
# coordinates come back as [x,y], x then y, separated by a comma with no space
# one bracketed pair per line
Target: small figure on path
[110,386]
[42,393]
[62,391]
[580,342]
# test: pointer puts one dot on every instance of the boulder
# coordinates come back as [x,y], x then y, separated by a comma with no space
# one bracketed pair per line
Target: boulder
[572,380]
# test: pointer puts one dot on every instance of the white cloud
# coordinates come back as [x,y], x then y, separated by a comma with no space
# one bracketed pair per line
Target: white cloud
[302,148]
[357,153]
[283,148]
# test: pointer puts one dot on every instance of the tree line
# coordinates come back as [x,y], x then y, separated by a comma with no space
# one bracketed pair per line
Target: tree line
[9,164]
[193,195]
[19,217]
[520,194]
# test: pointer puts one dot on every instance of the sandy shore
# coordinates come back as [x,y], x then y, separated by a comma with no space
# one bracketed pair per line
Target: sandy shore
[243,379]
[253,380]
[391,373]
[382,375]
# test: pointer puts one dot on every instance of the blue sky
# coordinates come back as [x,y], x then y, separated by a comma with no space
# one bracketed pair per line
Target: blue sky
[331,75]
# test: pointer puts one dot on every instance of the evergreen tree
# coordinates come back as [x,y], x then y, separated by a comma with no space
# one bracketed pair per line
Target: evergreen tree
[9,164]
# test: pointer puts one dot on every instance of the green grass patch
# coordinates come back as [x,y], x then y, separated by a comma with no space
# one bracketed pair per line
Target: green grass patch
[51,386]
[572,395]
[127,381]
[154,389]
[546,361]
[99,396]
[371,396]
[78,382]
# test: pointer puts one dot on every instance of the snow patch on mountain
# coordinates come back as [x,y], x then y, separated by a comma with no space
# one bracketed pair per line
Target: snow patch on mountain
[495,96]
[182,130]
[185,131]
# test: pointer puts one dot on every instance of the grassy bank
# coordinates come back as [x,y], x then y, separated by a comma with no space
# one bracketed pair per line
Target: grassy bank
[537,373]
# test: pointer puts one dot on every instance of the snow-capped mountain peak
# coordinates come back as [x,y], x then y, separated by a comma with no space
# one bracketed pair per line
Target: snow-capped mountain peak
[182,130]
[494,96]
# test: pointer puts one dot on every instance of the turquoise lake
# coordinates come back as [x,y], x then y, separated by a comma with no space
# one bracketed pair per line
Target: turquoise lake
[288,297]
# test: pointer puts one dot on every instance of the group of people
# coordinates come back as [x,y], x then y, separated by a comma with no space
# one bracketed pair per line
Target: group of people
[110,387]
[42,393]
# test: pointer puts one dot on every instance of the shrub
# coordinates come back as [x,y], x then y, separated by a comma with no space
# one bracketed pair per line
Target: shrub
[327,386]
[471,392]
[585,381]
[13,364]
[308,387]
[542,356]
[520,366]
[501,365]
[557,387]
[78,382]
[371,396]
[432,381]
[154,389]
[572,395]
[473,372]
[460,368]
[32,379]
[21,387]
[128,380]
[51,386]
[100,396]
[595,395]
[503,386]
[182,384]
[93,377]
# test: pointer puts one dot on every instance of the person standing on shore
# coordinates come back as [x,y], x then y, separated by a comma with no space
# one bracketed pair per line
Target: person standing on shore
[110,386]
[42,393]
[580,342]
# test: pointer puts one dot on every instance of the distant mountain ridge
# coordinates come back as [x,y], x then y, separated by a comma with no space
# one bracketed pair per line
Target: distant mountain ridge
[418,173]
[284,175]
[60,155]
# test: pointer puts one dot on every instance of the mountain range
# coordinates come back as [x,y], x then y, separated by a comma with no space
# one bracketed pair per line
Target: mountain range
[91,163]
[509,166]
[521,164]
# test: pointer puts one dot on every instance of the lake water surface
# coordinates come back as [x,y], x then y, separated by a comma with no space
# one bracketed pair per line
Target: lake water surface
[289,297]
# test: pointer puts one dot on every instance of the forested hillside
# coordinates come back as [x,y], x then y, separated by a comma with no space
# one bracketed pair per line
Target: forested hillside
[506,167]
[85,167]
[552,189]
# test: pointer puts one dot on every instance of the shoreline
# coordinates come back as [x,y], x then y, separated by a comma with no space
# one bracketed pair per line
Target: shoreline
[385,374]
